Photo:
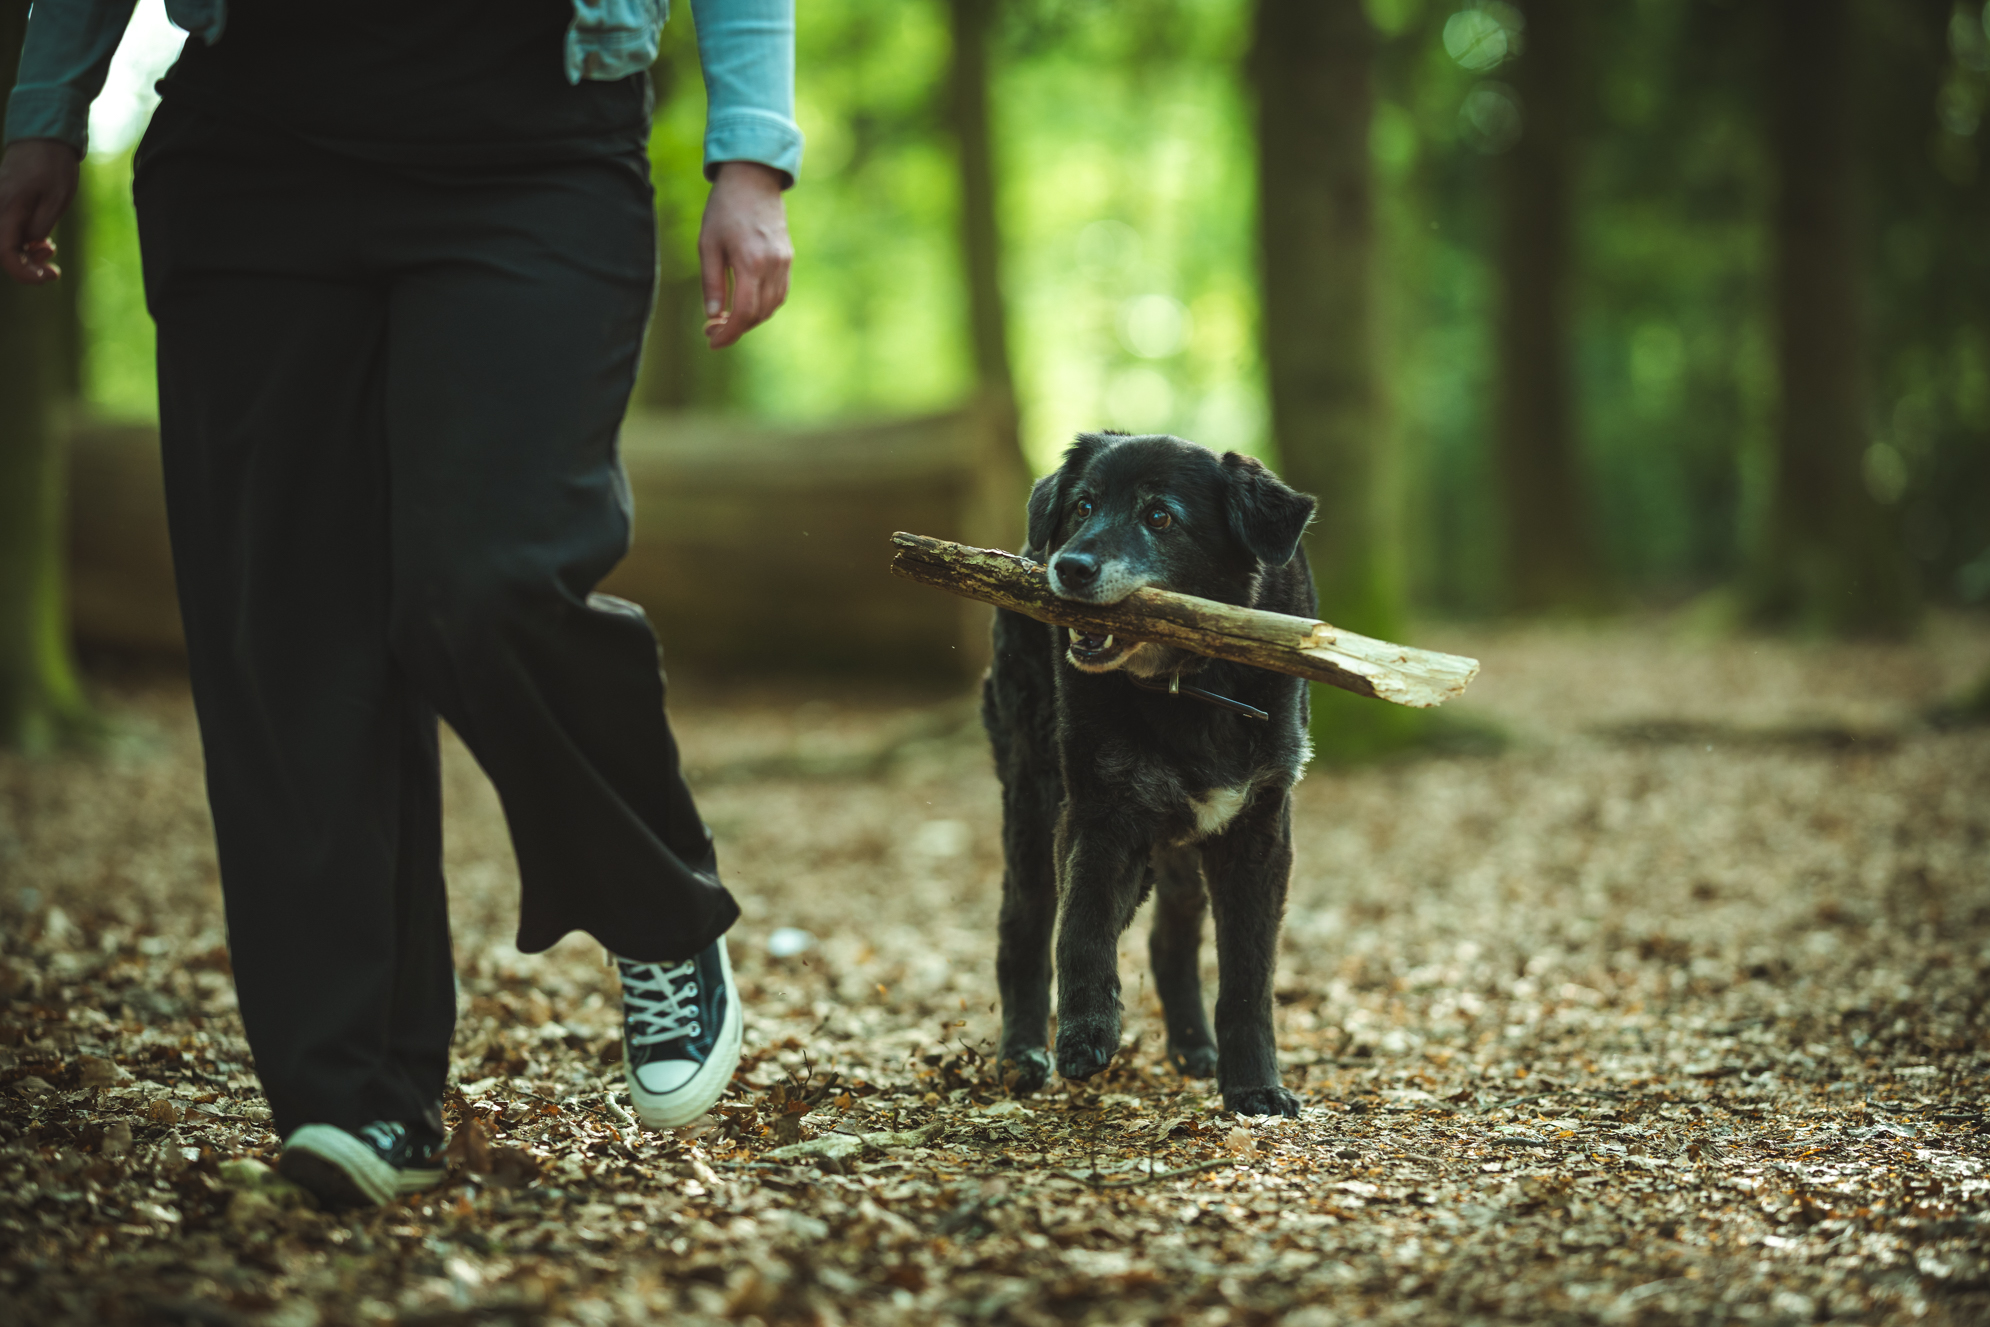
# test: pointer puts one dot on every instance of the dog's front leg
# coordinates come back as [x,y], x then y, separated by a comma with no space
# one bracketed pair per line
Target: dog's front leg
[1173,947]
[1029,911]
[1102,863]
[1248,867]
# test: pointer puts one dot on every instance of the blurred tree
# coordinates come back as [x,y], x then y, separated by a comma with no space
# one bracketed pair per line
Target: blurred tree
[875,320]
[72,347]
[1673,333]
[1829,558]
[41,701]
[1551,556]
[1311,64]
[1665,337]
[970,23]
[118,359]
[1930,294]
[1435,222]
[1128,218]
[678,370]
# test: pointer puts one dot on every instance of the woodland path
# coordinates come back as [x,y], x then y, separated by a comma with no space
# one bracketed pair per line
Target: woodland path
[1672,1010]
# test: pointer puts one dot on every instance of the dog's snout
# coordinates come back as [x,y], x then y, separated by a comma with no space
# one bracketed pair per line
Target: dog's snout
[1078,570]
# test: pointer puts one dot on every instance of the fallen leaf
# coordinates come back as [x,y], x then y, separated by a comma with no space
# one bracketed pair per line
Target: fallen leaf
[96,1071]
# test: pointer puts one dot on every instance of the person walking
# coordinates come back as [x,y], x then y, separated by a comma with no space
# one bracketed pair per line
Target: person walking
[401,258]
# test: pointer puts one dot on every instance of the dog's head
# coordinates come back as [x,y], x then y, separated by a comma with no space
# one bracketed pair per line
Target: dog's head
[1123,513]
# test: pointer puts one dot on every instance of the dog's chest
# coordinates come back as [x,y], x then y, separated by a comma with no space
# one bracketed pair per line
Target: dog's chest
[1188,774]
[1212,811]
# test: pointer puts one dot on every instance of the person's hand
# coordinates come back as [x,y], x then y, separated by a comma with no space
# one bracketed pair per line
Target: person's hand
[37,182]
[745,233]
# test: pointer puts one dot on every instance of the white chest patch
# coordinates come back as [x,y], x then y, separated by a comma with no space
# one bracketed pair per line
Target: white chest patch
[1218,807]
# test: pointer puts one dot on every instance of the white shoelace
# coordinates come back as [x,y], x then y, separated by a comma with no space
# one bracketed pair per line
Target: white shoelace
[659,1002]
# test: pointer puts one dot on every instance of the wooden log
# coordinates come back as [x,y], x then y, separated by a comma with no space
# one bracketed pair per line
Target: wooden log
[1302,646]
[736,523]
[121,590]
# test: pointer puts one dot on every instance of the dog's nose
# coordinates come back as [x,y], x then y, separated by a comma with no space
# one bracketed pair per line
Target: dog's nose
[1077,570]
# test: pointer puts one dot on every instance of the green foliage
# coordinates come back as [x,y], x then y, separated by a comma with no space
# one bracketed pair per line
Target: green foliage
[875,322]
[1674,353]
[1126,169]
[1353,730]
[1129,202]
[1436,291]
[1671,356]
[1125,162]
[1675,343]
[120,372]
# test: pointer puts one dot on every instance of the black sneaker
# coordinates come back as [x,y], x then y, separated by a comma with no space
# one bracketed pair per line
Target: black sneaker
[376,1165]
[681,1028]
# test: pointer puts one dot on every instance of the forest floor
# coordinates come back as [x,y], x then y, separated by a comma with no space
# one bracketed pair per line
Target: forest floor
[1673,1010]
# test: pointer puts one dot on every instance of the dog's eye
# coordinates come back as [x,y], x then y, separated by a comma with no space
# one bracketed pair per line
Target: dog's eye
[1159,519]
[1083,507]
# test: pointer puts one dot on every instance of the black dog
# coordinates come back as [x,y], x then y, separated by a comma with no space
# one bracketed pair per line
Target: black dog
[1131,767]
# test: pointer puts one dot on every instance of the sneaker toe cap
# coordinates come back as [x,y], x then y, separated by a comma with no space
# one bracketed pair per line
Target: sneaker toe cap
[661,1076]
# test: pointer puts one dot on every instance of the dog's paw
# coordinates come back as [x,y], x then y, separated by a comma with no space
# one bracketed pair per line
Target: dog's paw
[1083,1051]
[1194,1061]
[1024,1069]
[1261,1101]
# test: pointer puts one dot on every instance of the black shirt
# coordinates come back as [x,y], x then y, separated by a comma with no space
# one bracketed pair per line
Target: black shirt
[418,81]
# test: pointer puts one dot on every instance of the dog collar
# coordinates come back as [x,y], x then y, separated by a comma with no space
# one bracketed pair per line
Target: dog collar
[1174,686]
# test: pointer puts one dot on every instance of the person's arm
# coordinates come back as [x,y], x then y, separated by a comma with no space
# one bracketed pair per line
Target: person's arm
[37,183]
[64,58]
[753,150]
[747,50]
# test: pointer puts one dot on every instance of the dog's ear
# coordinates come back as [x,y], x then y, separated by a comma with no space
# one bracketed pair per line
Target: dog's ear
[1266,515]
[1046,497]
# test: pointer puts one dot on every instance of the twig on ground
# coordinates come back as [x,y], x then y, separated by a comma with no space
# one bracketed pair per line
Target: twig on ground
[839,1144]
[1196,1169]
[1543,1096]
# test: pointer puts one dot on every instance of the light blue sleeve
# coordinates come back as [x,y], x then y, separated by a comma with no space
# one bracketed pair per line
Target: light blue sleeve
[747,48]
[64,59]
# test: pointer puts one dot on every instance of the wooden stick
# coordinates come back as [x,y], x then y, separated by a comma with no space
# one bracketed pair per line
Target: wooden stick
[1302,646]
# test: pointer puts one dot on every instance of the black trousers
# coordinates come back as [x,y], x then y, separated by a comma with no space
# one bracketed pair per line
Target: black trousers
[389,399]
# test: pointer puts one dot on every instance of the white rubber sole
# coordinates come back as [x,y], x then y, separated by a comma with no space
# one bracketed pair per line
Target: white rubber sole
[341,1170]
[700,1092]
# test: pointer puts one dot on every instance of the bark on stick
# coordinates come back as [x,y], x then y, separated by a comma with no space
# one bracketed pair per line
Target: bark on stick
[1301,646]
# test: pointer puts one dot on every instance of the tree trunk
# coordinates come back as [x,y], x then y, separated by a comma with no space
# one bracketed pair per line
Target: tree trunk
[670,377]
[971,22]
[1827,560]
[738,525]
[678,371]
[1312,67]
[71,340]
[1551,559]
[41,701]
[981,246]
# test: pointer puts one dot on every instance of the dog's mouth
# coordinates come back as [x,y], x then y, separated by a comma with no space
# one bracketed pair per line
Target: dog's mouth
[1095,652]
